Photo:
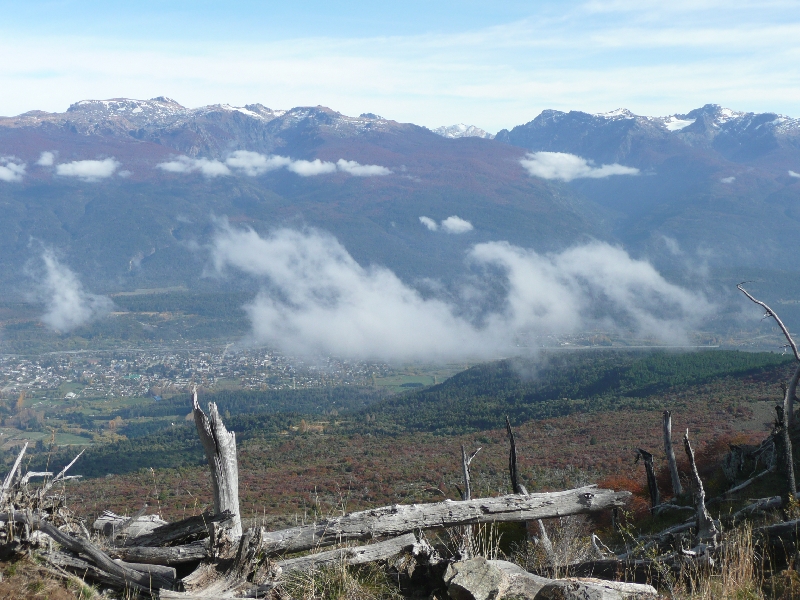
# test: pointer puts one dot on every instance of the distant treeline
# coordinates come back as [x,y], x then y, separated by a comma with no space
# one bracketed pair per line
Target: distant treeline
[476,399]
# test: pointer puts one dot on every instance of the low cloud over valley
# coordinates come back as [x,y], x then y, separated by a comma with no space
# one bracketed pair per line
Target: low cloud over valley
[316,298]
[566,167]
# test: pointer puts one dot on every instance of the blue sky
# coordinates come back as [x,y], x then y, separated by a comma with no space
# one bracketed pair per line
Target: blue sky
[492,64]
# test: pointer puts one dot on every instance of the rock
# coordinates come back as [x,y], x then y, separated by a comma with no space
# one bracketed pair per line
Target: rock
[481,579]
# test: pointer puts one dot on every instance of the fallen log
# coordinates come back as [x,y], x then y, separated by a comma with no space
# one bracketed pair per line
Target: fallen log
[85,547]
[171,555]
[179,530]
[113,525]
[351,556]
[400,519]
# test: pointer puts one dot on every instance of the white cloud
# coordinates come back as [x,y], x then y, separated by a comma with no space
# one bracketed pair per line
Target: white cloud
[317,298]
[429,223]
[309,168]
[354,168]
[566,167]
[11,171]
[673,247]
[727,180]
[68,305]
[456,225]
[46,159]
[253,163]
[185,164]
[88,170]
[793,174]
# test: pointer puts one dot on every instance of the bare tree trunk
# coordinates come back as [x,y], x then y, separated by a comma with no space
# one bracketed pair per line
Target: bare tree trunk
[220,447]
[677,489]
[786,450]
[466,541]
[706,530]
[791,389]
[546,544]
[652,485]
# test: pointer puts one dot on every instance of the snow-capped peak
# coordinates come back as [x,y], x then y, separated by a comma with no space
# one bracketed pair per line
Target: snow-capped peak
[460,130]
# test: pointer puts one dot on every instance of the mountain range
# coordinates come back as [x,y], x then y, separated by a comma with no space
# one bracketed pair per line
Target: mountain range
[127,192]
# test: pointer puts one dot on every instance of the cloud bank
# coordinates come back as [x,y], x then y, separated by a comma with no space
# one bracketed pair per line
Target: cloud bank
[88,170]
[253,164]
[566,167]
[316,298]
[453,224]
[204,166]
[68,305]
[11,171]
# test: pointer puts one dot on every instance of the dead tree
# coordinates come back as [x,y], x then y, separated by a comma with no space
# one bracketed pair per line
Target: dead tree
[220,448]
[677,490]
[706,529]
[791,389]
[466,541]
[652,485]
[785,445]
[518,488]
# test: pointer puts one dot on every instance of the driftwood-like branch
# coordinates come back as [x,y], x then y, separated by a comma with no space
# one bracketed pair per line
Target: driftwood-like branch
[178,531]
[652,485]
[60,477]
[400,519]
[31,474]
[220,448]
[466,461]
[513,473]
[85,547]
[9,480]
[677,489]
[786,452]
[791,389]
[351,556]
[110,525]
[706,530]
[171,555]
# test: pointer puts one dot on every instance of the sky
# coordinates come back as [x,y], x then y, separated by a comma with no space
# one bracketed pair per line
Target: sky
[491,64]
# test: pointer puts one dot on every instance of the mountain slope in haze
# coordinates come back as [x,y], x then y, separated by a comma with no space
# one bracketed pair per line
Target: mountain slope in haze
[723,184]
[714,189]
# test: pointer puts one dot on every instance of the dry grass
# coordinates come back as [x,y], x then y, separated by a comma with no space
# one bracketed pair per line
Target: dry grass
[23,579]
[340,582]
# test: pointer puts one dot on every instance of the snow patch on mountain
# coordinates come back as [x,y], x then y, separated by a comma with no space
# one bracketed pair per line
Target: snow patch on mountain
[460,130]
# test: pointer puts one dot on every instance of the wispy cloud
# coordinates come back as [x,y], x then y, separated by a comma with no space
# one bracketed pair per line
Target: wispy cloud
[793,174]
[317,298]
[310,168]
[727,179]
[11,170]
[566,167]
[204,166]
[429,223]
[68,305]
[253,163]
[456,225]
[358,170]
[453,224]
[46,159]
[88,170]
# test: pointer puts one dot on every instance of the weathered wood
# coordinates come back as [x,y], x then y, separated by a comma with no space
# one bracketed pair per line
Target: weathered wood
[399,519]
[85,547]
[791,389]
[110,524]
[351,556]
[86,570]
[652,484]
[9,480]
[706,530]
[513,473]
[163,571]
[61,476]
[547,544]
[220,448]
[677,488]
[466,540]
[171,555]
[179,530]
[786,452]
